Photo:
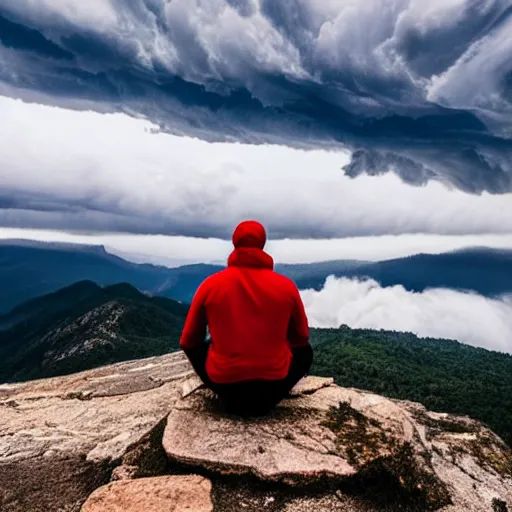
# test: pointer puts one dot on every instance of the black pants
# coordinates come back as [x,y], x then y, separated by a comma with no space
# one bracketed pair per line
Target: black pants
[253,397]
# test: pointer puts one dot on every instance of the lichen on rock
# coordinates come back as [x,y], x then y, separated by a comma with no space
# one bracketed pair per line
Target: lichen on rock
[378,454]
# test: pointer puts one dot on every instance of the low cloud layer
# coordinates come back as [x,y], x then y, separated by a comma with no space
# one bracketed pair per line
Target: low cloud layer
[67,170]
[419,88]
[438,313]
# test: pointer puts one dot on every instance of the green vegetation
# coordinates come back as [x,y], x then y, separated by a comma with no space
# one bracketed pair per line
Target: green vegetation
[445,376]
[85,326]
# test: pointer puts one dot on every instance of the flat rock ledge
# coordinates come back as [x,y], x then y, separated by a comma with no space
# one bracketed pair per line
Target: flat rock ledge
[188,493]
[327,449]
[325,433]
[289,445]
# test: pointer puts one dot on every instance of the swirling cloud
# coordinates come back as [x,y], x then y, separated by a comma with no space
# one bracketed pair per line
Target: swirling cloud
[420,89]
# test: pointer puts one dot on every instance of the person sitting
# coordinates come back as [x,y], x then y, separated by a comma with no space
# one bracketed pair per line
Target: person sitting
[259,347]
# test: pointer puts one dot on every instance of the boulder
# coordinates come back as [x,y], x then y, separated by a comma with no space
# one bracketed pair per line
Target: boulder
[166,493]
[284,446]
[350,438]
[61,437]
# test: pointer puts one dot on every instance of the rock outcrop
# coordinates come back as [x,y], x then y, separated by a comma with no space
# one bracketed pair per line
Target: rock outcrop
[61,438]
[144,431]
[165,493]
[349,437]
[288,446]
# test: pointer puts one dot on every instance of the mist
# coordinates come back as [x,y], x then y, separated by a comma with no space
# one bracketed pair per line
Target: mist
[439,313]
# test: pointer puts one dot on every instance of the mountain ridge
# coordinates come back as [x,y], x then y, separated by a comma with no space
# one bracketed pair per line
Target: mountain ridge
[28,271]
[83,326]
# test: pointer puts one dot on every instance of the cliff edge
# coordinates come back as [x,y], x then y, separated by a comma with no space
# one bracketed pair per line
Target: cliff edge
[144,434]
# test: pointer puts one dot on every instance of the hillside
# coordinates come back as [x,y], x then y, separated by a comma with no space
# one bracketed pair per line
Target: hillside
[28,270]
[443,375]
[83,326]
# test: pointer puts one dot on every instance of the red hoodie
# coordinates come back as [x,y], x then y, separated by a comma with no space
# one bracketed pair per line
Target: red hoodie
[254,315]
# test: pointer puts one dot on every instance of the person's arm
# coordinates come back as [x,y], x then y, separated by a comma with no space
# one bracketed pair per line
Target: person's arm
[194,330]
[298,331]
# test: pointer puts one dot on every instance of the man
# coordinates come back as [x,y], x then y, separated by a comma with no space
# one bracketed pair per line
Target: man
[259,332]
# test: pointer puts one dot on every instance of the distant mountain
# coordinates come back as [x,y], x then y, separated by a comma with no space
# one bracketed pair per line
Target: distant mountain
[31,269]
[83,326]
[485,271]
[320,270]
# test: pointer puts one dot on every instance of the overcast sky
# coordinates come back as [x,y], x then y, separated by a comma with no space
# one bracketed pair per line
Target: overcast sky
[418,87]
[325,120]
[352,129]
[88,172]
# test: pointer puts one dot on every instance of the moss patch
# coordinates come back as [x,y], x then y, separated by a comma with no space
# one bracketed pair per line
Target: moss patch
[389,471]
[489,455]
[360,439]
[397,482]
[487,451]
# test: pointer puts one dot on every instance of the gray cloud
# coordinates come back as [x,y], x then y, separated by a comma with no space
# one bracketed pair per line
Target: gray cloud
[420,89]
[438,313]
[69,170]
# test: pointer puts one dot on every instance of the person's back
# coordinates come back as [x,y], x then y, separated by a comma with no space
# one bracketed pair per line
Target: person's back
[258,327]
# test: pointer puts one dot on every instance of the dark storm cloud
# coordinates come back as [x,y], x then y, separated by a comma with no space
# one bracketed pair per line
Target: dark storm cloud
[421,89]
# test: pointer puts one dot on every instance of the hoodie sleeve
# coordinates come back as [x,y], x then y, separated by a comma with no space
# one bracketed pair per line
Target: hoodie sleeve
[194,331]
[298,331]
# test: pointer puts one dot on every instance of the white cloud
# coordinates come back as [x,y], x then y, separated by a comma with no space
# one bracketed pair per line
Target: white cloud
[96,15]
[438,313]
[84,170]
